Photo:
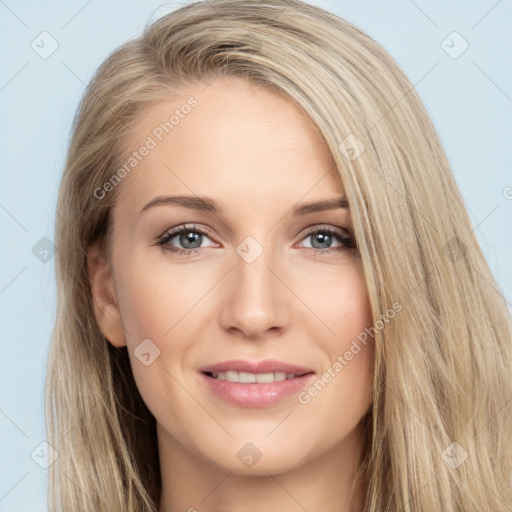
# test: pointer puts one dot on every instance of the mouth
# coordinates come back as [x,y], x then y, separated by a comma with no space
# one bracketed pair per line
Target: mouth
[255,384]
[254,378]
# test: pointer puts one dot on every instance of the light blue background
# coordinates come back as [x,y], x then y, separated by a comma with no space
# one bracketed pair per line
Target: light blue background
[468,98]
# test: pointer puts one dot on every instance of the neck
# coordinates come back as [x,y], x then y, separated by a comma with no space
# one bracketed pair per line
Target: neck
[329,483]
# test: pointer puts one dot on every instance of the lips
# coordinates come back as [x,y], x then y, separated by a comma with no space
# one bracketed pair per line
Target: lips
[267,366]
[255,384]
[251,378]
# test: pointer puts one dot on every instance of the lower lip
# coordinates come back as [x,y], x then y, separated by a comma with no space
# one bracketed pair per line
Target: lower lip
[256,395]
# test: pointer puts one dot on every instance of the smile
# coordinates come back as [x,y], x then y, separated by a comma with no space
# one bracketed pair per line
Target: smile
[251,378]
[255,384]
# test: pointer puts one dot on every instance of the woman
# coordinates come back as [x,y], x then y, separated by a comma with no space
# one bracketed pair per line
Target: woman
[271,296]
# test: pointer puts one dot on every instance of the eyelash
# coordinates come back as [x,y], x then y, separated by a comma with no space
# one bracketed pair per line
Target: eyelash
[347,242]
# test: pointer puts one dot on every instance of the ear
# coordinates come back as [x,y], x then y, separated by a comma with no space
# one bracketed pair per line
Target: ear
[106,309]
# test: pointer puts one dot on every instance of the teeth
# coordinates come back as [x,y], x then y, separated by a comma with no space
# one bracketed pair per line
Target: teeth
[265,378]
[248,378]
[232,376]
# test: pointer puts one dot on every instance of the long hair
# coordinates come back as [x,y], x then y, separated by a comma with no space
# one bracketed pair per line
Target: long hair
[438,430]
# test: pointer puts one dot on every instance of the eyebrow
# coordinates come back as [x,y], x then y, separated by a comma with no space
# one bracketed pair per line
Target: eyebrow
[210,205]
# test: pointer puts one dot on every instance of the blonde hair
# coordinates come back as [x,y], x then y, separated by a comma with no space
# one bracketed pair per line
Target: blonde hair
[442,369]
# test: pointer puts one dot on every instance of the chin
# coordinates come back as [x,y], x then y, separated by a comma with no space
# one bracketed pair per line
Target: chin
[248,460]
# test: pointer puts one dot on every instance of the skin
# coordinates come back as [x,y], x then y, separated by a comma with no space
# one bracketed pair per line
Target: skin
[255,153]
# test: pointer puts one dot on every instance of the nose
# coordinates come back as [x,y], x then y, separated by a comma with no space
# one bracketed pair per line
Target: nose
[256,300]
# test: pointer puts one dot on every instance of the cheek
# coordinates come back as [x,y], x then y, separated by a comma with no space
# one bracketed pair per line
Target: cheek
[156,296]
[342,304]
[155,302]
[346,383]
[164,303]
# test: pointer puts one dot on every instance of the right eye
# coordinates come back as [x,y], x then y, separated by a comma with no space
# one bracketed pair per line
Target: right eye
[190,237]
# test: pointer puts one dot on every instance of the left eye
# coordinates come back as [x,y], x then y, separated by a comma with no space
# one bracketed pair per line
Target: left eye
[322,239]
[322,236]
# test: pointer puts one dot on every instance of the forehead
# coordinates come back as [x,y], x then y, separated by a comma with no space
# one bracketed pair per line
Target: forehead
[231,139]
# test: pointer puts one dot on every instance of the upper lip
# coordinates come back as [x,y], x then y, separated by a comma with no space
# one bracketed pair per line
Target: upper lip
[267,366]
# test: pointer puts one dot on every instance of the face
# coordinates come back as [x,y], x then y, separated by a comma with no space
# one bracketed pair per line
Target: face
[260,285]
